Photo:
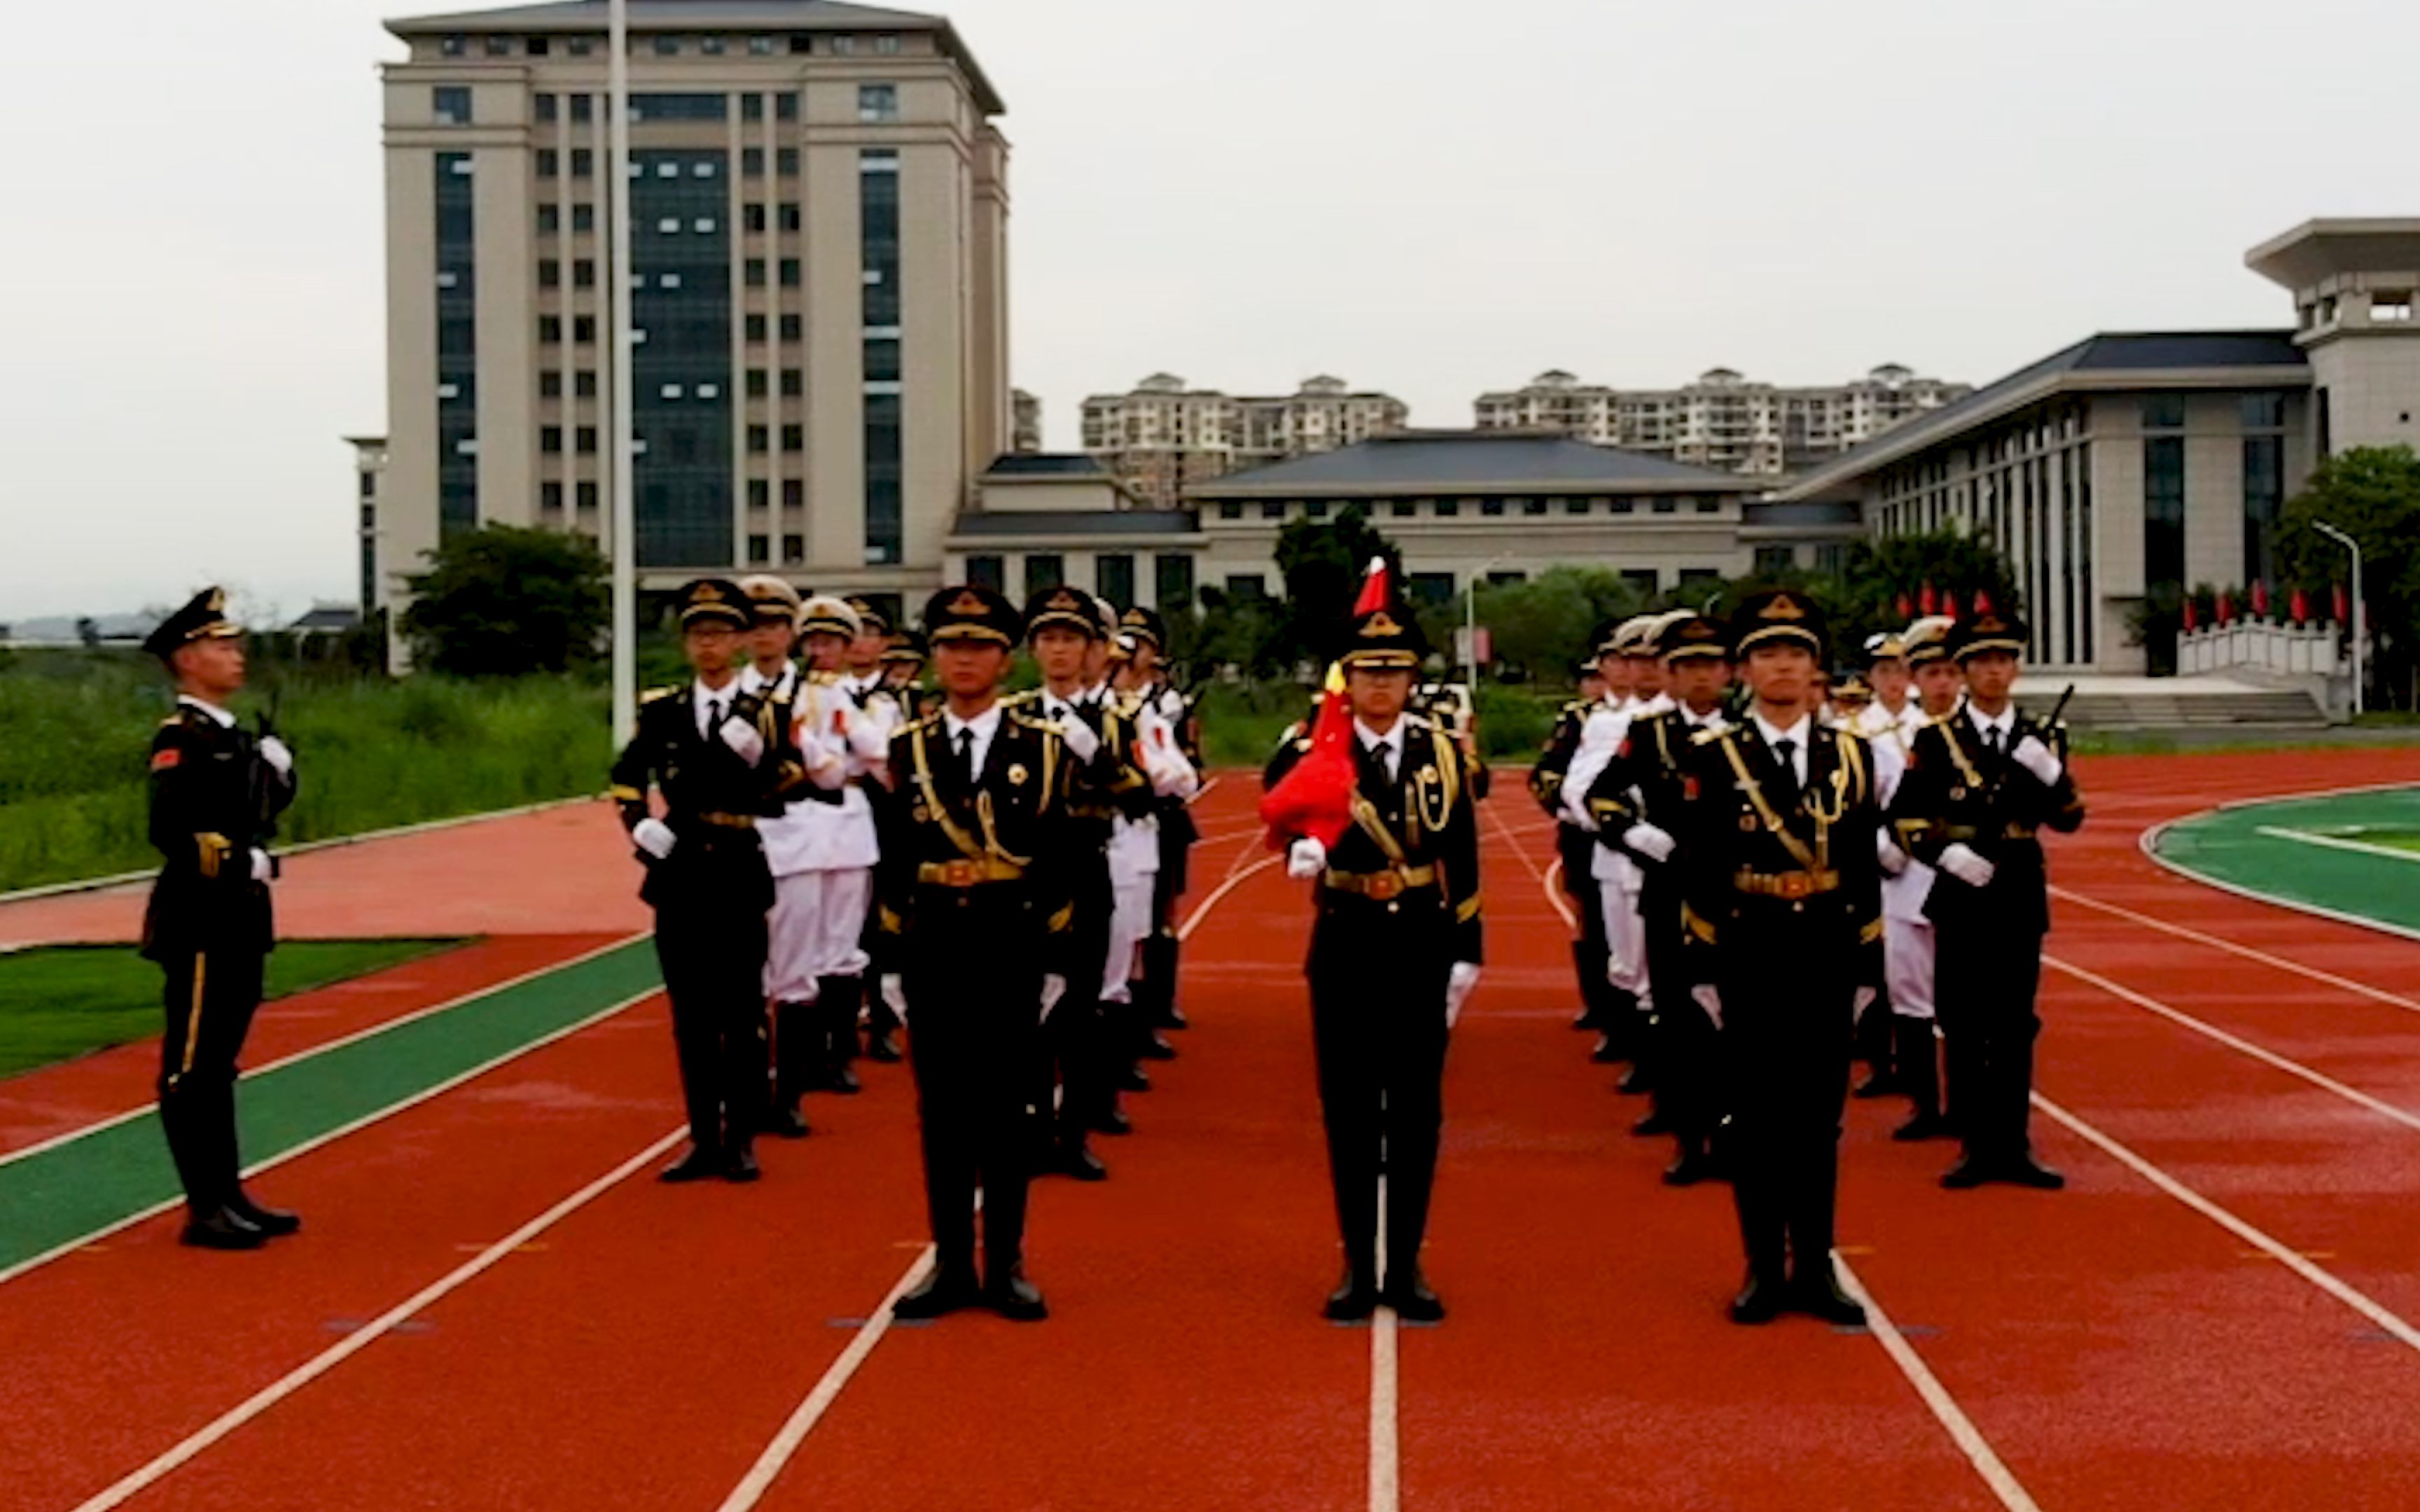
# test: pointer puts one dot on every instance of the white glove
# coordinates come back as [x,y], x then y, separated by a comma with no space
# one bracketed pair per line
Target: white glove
[274,751]
[1082,742]
[262,867]
[1458,983]
[742,738]
[1709,999]
[1576,812]
[2036,758]
[1305,857]
[1864,1000]
[894,996]
[654,837]
[1886,851]
[1967,867]
[1649,841]
[1054,987]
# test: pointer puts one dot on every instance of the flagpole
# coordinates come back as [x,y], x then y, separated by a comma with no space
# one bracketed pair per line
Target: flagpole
[622,530]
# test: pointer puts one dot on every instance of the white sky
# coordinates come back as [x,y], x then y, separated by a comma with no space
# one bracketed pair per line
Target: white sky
[1430,199]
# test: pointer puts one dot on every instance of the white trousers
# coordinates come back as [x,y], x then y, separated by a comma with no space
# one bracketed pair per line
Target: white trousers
[1907,966]
[812,931]
[1625,942]
[1129,923]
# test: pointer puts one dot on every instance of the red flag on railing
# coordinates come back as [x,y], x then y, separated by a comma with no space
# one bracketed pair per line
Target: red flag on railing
[1950,604]
[2297,608]
[1982,601]
[2192,616]
[2342,613]
[1924,601]
[2227,608]
[2259,598]
[1906,608]
[1316,797]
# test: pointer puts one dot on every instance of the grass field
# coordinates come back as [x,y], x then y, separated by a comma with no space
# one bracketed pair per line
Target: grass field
[63,1001]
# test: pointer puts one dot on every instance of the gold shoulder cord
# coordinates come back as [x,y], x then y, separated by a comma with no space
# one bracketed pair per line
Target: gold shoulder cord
[956,836]
[1755,792]
[1958,753]
[1447,759]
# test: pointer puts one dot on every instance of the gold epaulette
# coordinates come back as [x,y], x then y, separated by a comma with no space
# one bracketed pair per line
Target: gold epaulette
[1707,737]
[654,694]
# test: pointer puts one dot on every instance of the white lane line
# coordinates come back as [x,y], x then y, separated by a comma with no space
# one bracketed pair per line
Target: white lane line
[785,1445]
[313,1052]
[352,1344]
[2236,1042]
[810,1412]
[1953,1417]
[1386,1423]
[2359,989]
[2293,1261]
[2336,842]
[307,1146]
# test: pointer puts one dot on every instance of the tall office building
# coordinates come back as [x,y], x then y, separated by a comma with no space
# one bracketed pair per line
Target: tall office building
[819,275]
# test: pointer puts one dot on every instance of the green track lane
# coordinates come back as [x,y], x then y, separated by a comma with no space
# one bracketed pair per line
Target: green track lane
[2254,846]
[92,1182]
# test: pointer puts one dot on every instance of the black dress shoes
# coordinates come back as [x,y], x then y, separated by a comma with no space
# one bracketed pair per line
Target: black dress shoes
[1111,1121]
[1923,1126]
[948,1289]
[1690,1169]
[2027,1172]
[883,1047]
[1759,1301]
[787,1123]
[1014,1298]
[1352,1301]
[1155,1048]
[1881,1084]
[842,1080]
[276,1223]
[1653,1124]
[1172,1017]
[1608,1054]
[1132,1079]
[1634,1082]
[740,1166]
[1970,1172]
[1411,1298]
[699,1165]
[225,1230]
[1822,1297]
[1082,1163]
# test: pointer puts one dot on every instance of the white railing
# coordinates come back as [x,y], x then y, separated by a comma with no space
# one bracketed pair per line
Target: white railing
[2316,656]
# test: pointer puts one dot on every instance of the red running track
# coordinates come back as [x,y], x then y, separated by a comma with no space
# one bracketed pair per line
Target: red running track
[2117,1349]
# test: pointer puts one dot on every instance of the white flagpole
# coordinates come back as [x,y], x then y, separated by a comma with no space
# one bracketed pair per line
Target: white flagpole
[623,530]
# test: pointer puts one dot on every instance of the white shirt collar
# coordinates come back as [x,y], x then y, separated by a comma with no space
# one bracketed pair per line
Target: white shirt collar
[1774,734]
[751,680]
[700,696]
[220,716]
[1700,721]
[2005,723]
[1392,741]
[982,724]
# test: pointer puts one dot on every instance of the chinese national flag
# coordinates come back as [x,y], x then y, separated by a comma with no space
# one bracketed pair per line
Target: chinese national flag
[1906,608]
[2192,616]
[1982,601]
[1924,601]
[1316,799]
[1949,605]
[2227,608]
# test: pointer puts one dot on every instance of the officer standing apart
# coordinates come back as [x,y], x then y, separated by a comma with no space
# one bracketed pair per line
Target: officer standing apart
[972,921]
[1783,917]
[1395,950]
[722,758]
[216,794]
[1982,784]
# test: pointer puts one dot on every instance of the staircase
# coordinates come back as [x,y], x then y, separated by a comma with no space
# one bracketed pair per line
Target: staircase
[2177,704]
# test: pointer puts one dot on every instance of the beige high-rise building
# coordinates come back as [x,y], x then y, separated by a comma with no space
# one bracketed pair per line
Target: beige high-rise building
[1723,420]
[1026,435]
[819,249]
[1163,437]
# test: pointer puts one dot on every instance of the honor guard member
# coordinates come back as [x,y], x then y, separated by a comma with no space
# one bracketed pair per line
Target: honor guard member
[1636,806]
[866,684]
[973,920]
[1131,1040]
[1782,915]
[216,793]
[902,668]
[1888,720]
[1981,785]
[772,635]
[722,760]
[1921,653]
[1599,1009]
[1158,700]
[1395,950]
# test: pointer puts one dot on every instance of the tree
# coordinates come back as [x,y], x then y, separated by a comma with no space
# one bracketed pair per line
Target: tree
[1322,562]
[2372,494]
[1541,626]
[505,600]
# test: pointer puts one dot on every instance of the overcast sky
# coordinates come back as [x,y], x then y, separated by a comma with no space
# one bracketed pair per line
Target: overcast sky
[1430,199]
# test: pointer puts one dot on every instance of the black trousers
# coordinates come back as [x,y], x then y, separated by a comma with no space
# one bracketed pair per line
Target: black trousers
[1377,1018]
[710,942]
[973,981]
[208,998]
[1686,1047]
[1079,1055]
[1986,976]
[1788,990]
[1577,850]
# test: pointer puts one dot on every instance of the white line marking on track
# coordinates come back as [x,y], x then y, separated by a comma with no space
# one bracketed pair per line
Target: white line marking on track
[352,1344]
[307,1146]
[1962,1428]
[2336,843]
[1386,1423]
[2236,1042]
[311,1052]
[2359,989]
[2293,1261]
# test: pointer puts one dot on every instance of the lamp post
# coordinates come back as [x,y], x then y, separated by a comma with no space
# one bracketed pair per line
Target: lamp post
[2352,545]
[621,527]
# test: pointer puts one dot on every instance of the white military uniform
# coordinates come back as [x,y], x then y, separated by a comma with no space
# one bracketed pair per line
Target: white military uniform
[1617,876]
[822,853]
[1907,934]
[1134,845]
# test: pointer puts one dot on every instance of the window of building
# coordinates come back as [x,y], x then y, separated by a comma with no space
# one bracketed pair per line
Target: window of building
[1113,578]
[760,494]
[1695,577]
[751,219]
[1663,504]
[1491,506]
[794,382]
[878,102]
[1775,561]
[710,46]
[760,439]
[583,383]
[549,330]
[793,437]
[541,105]
[500,46]
[2392,306]
[2262,411]
[794,549]
[1448,508]
[785,106]
[760,47]
[584,219]
[1577,506]
[584,329]
[752,162]
[584,273]
[1533,506]
[550,163]
[844,45]
[667,45]
[758,383]
[751,272]
[585,495]
[792,273]
[1247,585]
[1623,506]
[988,571]
[1229,509]
[793,328]
[801,43]
[1402,508]
[549,384]
[1432,589]
[549,274]
[1507,580]
[454,46]
[760,550]
[753,328]
[2164,515]
[583,163]
[550,439]
[550,497]
[549,219]
[790,218]
[579,46]
[1044,569]
[583,440]
[2264,498]
[1273,510]
[537,46]
[1642,580]
[2163,411]
[1173,577]
[582,109]
[1709,504]
[786,163]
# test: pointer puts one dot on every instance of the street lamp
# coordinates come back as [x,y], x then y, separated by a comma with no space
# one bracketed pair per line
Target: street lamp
[2352,545]
[623,530]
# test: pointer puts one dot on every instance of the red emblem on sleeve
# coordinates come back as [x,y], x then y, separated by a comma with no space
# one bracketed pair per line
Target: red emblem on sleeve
[163,759]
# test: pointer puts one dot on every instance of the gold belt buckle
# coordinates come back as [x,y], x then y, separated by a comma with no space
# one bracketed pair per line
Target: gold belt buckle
[959,873]
[1384,887]
[1795,886]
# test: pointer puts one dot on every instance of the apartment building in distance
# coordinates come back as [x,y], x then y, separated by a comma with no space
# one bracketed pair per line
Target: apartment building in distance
[819,275]
[1723,421]
[1163,439]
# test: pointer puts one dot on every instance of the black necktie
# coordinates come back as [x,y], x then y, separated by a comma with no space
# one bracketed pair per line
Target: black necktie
[713,717]
[1992,738]
[1785,750]
[967,754]
[1381,769]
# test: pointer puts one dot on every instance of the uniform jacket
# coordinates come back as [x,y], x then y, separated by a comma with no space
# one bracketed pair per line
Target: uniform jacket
[1554,763]
[1645,782]
[213,801]
[1956,791]
[712,798]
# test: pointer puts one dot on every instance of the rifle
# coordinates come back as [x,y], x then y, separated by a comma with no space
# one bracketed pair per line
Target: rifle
[265,807]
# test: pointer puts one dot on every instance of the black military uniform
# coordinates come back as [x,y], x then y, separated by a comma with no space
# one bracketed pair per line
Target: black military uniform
[972,911]
[1782,910]
[1601,1005]
[1965,788]
[1646,783]
[711,888]
[1398,909]
[1155,992]
[216,793]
